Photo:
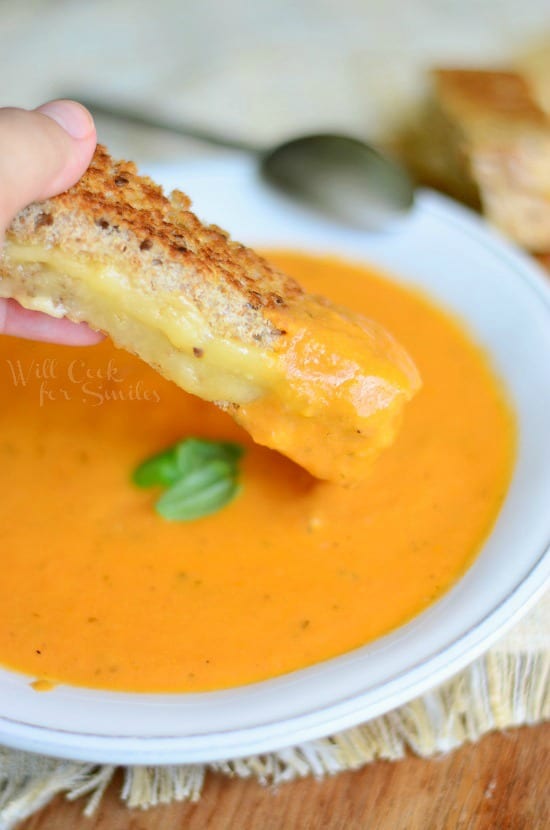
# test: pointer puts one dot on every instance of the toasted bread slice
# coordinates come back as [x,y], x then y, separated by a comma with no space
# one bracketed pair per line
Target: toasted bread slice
[485,140]
[322,386]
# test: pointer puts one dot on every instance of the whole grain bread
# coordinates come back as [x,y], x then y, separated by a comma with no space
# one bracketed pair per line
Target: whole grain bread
[116,215]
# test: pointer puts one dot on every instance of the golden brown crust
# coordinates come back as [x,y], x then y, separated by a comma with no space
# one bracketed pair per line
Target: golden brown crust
[112,213]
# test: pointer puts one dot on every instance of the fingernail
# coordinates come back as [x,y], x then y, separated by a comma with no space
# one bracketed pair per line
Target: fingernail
[73,117]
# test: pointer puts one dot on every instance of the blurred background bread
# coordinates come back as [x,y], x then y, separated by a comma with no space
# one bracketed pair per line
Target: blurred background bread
[484,139]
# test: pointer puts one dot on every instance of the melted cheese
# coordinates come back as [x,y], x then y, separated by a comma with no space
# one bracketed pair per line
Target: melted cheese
[329,394]
[226,371]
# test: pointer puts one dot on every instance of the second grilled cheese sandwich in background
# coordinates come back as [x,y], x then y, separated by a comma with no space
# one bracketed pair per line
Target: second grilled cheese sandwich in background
[484,139]
[320,384]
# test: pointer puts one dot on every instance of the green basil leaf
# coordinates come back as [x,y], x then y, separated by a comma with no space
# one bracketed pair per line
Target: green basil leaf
[200,493]
[168,466]
[194,452]
[160,469]
[201,476]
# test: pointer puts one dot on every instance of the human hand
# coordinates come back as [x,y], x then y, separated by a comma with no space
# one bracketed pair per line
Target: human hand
[42,153]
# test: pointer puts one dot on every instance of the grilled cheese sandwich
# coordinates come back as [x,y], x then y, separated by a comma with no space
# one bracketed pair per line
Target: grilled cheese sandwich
[320,384]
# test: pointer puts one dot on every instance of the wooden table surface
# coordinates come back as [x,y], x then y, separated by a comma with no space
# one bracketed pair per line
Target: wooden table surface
[500,783]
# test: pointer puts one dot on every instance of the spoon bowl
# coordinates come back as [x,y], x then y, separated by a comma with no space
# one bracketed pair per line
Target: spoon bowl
[343,177]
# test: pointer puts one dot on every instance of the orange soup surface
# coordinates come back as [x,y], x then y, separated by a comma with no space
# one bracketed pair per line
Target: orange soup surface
[97,590]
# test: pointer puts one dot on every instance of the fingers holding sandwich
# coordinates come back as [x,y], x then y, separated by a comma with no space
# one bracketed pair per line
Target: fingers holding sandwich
[42,153]
[33,325]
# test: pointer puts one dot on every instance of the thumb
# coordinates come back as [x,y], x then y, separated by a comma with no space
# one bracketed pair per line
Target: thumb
[42,153]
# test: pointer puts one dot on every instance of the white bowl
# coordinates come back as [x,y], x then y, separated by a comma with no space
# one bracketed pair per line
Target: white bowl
[505,302]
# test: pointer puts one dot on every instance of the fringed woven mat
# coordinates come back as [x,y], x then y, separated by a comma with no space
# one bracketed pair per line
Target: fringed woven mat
[507,687]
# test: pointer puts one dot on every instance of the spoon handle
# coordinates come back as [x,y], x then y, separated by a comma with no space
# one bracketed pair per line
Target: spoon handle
[122,112]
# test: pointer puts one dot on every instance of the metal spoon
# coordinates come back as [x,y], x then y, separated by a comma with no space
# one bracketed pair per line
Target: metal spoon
[343,177]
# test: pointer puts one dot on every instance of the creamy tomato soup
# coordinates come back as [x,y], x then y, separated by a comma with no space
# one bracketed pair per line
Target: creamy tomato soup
[98,590]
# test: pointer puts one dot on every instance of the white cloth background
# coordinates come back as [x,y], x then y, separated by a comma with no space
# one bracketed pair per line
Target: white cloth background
[261,69]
